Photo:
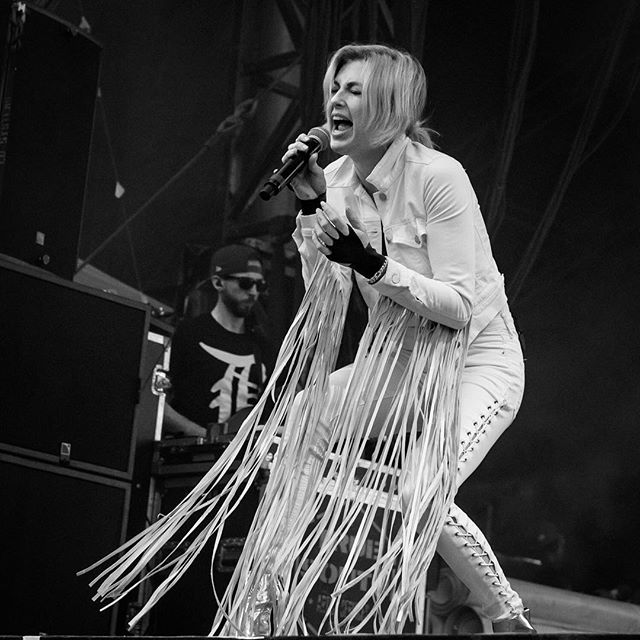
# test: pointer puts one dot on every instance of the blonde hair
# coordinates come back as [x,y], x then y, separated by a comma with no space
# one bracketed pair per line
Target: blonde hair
[394,91]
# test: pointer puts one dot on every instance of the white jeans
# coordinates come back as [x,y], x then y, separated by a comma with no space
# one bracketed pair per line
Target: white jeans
[491,393]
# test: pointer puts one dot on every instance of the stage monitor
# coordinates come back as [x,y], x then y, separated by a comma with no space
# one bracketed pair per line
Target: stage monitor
[48,85]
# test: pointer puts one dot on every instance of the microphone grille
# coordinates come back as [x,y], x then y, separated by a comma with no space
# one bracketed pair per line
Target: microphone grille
[321,134]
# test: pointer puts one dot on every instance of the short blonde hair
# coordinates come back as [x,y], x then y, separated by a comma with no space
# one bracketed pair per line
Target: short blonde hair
[394,91]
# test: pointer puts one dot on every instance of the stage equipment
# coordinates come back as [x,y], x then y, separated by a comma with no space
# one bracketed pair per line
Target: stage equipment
[49,78]
[188,608]
[148,425]
[55,520]
[70,377]
[71,416]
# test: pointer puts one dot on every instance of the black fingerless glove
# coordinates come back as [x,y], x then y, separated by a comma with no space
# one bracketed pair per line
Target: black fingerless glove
[307,207]
[348,249]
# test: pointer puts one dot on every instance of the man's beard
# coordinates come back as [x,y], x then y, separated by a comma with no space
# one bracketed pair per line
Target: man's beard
[237,308]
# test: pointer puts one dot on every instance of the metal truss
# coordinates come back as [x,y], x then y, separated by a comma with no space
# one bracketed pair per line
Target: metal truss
[315,28]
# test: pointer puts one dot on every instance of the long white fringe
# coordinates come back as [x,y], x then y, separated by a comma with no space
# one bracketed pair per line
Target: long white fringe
[319,486]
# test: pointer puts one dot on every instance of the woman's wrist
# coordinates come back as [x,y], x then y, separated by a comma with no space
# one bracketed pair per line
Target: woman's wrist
[370,264]
[308,207]
[379,274]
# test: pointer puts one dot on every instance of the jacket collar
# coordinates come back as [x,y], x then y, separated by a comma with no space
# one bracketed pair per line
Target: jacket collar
[384,174]
[390,166]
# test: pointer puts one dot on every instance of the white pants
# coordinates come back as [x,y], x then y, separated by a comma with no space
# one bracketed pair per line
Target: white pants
[492,389]
[491,392]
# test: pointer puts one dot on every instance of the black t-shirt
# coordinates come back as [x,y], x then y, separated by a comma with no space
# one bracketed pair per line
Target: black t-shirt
[214,372]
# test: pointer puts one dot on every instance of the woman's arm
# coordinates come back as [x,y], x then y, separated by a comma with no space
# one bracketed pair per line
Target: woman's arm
[447,295]
[439,283]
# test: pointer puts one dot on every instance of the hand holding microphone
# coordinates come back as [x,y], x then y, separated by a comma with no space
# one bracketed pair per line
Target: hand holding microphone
[300,167]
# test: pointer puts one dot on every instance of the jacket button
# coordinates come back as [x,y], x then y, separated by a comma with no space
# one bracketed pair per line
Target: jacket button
[395,278]
[383,196]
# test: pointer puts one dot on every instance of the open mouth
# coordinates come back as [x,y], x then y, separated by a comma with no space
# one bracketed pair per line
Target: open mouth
[340,124]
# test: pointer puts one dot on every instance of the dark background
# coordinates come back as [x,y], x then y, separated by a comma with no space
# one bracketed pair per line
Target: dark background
[562,485]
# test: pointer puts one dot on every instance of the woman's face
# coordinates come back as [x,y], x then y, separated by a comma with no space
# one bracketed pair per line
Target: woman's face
[345,111]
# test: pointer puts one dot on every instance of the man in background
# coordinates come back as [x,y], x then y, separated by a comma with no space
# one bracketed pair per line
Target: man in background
[218,369]
[217,366]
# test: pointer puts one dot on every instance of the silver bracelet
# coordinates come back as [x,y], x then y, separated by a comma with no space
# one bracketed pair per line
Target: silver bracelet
[379,273]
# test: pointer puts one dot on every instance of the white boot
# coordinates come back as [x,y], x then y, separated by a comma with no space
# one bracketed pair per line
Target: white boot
[465,549]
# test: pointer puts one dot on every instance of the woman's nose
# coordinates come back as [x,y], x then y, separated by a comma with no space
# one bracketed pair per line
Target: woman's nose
[337,98]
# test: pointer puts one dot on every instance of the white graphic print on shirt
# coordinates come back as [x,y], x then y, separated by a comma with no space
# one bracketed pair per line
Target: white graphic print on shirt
[234,389]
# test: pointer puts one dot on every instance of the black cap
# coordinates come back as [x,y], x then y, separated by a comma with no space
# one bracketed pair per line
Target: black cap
[235,258]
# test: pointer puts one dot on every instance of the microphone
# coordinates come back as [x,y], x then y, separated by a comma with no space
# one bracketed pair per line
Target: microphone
[319,141]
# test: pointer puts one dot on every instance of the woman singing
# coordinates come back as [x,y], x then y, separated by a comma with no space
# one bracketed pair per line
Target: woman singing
[437,378]
[418,238]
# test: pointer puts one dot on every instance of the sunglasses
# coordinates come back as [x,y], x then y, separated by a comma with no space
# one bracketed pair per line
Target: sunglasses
[246,283]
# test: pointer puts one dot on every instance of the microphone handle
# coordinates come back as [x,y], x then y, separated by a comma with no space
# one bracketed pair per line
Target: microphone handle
[283,176]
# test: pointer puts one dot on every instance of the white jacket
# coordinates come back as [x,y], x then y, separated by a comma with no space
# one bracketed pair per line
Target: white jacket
[440,261]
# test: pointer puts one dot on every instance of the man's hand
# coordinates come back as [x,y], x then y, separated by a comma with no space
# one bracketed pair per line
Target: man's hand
[178,425]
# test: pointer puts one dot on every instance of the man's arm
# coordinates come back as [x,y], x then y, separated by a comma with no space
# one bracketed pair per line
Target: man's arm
[175,423]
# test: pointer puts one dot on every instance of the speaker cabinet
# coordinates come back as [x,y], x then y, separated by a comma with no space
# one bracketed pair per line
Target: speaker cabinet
[56,521]
[47,100]
[71,372]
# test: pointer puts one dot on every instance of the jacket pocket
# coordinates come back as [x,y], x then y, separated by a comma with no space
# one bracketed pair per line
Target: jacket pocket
[406,244]
[405,233]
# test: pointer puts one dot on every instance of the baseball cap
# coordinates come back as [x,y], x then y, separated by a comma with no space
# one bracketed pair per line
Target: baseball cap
[235,258]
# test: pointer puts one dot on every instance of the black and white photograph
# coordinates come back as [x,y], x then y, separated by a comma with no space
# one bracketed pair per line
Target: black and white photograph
[318,318]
